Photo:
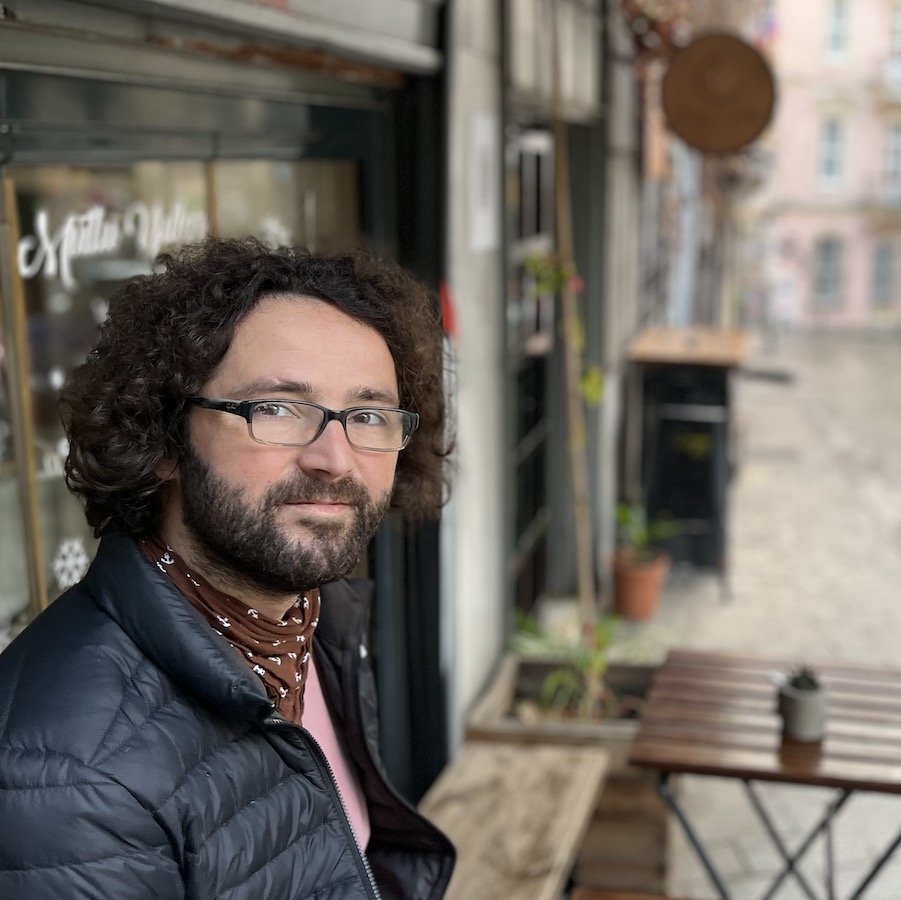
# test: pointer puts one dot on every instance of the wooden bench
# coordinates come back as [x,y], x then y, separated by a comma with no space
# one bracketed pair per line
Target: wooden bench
[517,814]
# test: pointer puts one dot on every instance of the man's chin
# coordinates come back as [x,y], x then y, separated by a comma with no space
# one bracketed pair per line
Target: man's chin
[320,512]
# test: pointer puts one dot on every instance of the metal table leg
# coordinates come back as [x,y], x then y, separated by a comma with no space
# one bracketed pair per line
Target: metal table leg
[876,868]
[670,798]
[791,860]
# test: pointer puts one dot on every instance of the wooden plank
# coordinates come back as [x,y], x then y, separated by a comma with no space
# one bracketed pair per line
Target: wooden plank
[626,845]
[839,748]
[726,662]
[792,763]
[761,684]
[517,814]
[878,722]
[864,725]
[841,697]
[692,346]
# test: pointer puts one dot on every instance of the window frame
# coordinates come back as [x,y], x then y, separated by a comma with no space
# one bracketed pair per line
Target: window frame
[883,272]
[838,29]
[832,143]
[827,275]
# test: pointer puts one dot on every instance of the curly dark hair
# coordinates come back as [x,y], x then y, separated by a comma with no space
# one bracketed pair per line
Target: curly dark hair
[124,408]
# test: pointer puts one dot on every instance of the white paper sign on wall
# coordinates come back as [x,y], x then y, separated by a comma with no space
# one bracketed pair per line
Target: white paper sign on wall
[484,186]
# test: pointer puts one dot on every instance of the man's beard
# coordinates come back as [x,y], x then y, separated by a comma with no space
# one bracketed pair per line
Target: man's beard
[246,543]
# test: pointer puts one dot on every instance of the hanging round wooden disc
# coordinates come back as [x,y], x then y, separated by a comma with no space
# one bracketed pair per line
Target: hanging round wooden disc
[718,93]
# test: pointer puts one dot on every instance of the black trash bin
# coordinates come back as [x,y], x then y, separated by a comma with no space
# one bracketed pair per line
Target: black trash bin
[685,460]
[686,426]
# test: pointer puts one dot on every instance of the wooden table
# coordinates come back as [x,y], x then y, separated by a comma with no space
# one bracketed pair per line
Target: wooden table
[715,714]
[517,814]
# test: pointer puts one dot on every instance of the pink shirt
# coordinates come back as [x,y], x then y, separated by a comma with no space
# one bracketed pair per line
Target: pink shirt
[318,722]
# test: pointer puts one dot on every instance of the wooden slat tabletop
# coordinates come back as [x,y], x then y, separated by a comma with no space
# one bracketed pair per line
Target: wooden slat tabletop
[690,346]
[715,714]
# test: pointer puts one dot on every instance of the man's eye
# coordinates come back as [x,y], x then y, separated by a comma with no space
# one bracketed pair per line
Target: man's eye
[272,411]
[369,417]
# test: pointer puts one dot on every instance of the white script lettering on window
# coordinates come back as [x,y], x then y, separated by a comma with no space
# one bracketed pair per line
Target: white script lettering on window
[102,232]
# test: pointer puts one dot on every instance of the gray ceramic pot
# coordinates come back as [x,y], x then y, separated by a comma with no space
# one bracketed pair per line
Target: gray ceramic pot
[803,713]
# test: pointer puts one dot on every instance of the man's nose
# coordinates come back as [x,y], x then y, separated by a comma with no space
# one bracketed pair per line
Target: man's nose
[329,453]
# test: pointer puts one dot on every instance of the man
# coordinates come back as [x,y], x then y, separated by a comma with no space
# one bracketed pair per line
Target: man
[182,723]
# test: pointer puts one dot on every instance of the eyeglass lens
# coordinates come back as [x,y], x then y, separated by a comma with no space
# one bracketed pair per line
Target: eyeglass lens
[299,423]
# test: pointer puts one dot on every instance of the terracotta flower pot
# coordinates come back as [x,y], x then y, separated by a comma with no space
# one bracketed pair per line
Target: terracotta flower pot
[637,584]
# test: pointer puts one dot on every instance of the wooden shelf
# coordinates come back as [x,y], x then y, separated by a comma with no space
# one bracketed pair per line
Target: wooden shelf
[690,346]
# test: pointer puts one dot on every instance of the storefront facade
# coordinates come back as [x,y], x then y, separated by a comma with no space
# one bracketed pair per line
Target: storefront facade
[114,147]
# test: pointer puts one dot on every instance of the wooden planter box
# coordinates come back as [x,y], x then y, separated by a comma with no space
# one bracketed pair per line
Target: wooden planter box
[625,848]
[492,718]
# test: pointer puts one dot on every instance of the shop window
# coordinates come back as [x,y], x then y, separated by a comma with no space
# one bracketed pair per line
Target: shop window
[827,274]
[883,275]
[310,203]
[83,232]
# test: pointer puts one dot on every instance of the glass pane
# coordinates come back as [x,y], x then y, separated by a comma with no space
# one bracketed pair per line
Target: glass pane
[84,231]
[311,203]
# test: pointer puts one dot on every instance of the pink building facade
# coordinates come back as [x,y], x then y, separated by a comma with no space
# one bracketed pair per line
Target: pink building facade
[826,225]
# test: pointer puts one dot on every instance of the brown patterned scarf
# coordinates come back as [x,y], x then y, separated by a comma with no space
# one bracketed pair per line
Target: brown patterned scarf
[278,651]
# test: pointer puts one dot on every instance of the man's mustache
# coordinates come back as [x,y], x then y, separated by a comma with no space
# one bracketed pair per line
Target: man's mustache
[306,489]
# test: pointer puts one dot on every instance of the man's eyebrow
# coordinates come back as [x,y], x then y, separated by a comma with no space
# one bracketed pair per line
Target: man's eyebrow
[263,386]
[267,387]
[373,395]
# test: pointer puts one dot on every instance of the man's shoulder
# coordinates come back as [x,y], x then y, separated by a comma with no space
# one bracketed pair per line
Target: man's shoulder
[68,677]
[69,630]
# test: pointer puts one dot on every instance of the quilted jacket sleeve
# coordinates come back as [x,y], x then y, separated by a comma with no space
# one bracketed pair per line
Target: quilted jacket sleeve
[55,843]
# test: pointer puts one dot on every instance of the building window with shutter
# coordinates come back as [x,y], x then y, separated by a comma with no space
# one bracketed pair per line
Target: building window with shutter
[883,275]
[827,273]
[838,26]
[893,164]
[894,57]
[832,152]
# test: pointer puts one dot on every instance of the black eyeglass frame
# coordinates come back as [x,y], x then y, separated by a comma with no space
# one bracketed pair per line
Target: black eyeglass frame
[245,408]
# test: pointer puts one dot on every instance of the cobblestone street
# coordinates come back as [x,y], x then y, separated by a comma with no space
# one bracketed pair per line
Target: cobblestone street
[815,573]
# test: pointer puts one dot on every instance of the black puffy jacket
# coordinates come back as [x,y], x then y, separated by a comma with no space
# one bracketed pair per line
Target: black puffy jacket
[140,758]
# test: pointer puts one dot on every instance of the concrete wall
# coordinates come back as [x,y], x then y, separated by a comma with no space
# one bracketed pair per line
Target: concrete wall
[473,551]
[621,302]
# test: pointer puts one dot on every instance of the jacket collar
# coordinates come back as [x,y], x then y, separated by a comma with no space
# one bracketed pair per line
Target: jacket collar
[151,611]
[344,612]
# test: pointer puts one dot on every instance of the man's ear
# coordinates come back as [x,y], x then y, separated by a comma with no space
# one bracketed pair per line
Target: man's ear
[166,469]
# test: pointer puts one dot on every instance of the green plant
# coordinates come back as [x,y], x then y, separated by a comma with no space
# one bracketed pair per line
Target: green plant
[638,536]
[576,687]
[555,273]
[804,678]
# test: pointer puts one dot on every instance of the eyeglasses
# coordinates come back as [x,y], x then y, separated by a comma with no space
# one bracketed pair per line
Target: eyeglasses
[296,423]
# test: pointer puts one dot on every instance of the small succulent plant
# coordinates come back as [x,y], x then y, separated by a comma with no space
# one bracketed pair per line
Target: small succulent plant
[804,678]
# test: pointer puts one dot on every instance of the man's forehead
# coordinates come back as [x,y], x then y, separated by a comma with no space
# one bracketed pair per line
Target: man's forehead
[304,347]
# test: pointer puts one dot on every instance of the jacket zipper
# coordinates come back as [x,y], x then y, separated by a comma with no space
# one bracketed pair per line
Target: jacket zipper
[276,719]
[352,690]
